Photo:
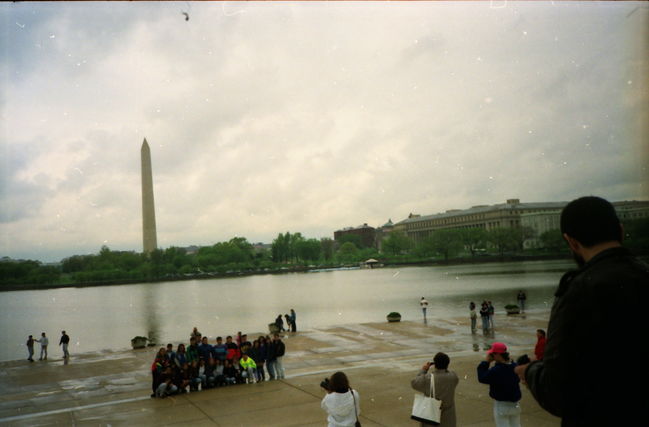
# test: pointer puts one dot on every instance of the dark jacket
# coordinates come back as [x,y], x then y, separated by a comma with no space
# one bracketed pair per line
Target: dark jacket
[503,381]
[595,353]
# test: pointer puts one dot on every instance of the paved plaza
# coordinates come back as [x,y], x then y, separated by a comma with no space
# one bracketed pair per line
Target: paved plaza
[113,387]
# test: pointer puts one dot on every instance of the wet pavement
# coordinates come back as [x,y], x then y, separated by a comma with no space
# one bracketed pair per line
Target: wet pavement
[112,387]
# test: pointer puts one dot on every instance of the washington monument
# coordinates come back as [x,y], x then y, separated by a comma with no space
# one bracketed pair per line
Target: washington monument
[149,239]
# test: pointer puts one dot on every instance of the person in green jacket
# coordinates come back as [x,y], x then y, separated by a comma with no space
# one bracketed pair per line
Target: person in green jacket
[249,367]
[192,351]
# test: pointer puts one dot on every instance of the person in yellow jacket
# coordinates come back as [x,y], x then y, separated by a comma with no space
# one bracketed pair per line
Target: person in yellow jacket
[249,367]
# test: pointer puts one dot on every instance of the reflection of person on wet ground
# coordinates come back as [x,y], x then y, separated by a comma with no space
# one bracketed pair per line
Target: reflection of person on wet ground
[594,326]
[473,315]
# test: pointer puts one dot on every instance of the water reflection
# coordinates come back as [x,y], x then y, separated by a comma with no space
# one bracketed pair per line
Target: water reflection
[151,320]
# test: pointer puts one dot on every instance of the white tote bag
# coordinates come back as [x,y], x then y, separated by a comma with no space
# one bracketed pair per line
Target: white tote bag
[427,410]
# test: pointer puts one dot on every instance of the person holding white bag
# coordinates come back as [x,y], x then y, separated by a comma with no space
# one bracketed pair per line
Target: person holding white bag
[444,385]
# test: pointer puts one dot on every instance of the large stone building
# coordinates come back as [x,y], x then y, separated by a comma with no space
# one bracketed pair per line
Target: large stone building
[365,233]
[503,215]
[538,216]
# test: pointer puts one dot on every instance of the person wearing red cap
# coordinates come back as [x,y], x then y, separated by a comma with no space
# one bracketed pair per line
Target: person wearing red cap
[503,385]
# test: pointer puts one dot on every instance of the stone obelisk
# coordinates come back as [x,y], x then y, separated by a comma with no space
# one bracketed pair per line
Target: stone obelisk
[149,239]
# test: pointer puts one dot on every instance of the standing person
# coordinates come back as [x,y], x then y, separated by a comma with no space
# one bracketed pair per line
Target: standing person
[289,325]
[484,315]
[293,319]
[44,341]
[424,306]
[342,403]
[280,349]
[604,298]
[271,360]
[504,386]
[521,300]
[30,348]
[474,316]
[445,383]
[539,349]
[63,342]
[280,323]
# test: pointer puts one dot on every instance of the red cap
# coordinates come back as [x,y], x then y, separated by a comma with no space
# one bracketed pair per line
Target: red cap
[497,347]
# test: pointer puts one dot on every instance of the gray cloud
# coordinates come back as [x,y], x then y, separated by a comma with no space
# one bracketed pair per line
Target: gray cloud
[309,117]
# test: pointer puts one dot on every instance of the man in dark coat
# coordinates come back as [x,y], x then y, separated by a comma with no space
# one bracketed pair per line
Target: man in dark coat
[594,323]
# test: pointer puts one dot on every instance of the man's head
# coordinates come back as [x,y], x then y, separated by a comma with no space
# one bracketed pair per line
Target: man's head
[219,340]
[540,333]
[170,347]
[441,360]
[591,220]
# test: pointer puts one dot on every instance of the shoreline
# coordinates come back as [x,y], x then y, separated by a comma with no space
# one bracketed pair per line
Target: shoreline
[300,269]
[380,359]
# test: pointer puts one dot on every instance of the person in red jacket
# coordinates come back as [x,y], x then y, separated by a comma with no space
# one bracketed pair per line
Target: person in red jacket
[540,344]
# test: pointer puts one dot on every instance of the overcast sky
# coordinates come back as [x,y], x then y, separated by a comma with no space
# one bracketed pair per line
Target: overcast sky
[271,117]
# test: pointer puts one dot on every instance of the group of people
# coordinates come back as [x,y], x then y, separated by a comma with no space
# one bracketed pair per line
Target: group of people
[201,365]
[44,341]
[487,312]
[291,326]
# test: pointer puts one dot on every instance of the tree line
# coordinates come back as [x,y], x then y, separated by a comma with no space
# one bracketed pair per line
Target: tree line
[293,250]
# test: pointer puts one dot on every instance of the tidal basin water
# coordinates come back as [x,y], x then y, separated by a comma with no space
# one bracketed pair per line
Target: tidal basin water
[108,317]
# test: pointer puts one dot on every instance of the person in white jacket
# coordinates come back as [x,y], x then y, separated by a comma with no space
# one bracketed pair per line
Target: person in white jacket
[341,402]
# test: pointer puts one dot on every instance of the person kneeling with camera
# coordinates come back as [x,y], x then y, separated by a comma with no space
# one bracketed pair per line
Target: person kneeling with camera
[341,402]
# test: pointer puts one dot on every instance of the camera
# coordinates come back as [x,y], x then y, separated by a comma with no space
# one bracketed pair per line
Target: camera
[325,384]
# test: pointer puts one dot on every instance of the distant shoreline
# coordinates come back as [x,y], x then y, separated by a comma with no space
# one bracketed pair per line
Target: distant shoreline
[284,270]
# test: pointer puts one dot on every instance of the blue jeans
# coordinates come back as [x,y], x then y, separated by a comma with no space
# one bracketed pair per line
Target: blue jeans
[270,366]
[507,414]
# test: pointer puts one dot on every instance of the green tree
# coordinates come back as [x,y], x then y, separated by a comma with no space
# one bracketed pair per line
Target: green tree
[473,239]
[397,242]
[446,242]
[353,238]
[347,253]
[309,250]
[552,240]
[327,246]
